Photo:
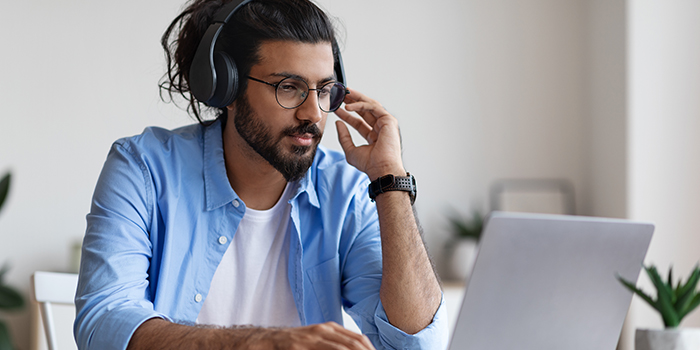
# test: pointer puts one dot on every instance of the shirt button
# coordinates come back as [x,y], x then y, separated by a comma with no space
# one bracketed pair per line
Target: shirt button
[198,297]
[236,203]
[222,240]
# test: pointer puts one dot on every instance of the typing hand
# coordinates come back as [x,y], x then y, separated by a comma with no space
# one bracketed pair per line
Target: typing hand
[328,335]
[382,154]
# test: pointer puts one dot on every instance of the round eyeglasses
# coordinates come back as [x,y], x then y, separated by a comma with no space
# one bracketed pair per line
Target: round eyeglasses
[291,92]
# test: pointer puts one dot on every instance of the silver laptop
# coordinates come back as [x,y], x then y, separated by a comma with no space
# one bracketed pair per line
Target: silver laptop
[549,282]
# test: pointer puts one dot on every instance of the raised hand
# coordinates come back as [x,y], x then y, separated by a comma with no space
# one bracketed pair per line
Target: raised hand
[382,154]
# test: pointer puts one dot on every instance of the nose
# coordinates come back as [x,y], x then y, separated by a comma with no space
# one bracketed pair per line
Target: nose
[309,110]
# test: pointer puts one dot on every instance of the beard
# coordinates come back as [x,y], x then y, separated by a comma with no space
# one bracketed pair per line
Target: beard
[292,166]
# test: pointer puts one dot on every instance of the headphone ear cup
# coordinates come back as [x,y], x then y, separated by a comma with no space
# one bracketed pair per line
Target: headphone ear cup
[226,81]
[338,64]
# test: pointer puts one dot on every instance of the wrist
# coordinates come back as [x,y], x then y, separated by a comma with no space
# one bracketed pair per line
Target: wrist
[392,182]
[379,172]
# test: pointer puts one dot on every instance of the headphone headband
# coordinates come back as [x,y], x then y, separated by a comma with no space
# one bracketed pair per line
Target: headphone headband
[226,11]
[213,75]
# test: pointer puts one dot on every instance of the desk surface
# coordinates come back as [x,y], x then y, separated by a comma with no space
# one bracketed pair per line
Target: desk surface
[454,293]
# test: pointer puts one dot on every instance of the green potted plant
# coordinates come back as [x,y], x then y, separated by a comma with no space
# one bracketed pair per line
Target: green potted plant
[463,246]
[10,299]
[673,302]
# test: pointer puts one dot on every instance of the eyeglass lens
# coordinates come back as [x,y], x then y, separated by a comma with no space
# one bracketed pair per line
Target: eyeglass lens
[292,92]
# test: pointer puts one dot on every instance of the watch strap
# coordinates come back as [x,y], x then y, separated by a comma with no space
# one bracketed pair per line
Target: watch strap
[392,182]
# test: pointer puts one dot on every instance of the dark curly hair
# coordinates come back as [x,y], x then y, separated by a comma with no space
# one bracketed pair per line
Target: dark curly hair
[254,23]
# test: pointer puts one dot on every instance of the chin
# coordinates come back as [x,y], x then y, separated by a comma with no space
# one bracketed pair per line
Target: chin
[296,164]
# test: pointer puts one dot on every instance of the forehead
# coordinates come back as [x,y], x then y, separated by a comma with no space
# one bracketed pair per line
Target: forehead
[313,62]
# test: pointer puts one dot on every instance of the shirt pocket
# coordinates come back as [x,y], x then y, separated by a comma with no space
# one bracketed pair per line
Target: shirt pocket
[325,282]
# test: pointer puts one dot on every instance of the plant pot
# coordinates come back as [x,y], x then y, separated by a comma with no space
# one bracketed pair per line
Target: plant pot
[461,256]
[667,339]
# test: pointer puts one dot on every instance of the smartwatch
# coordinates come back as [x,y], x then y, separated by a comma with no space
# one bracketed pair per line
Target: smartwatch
[393,183]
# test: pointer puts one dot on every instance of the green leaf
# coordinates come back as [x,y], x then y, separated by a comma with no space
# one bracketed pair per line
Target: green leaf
[5,341]
[631,286]
[3,271]
[691,306]
[664,301]
[10,298]
[687,291]
[4,188]
[467,228]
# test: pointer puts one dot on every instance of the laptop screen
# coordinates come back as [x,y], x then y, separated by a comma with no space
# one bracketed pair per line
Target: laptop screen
[549,282]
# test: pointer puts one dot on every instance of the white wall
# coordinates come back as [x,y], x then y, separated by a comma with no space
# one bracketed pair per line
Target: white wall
[664,148]
[500,95]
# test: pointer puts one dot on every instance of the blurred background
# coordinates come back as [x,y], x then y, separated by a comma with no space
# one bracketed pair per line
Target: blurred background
[602,94]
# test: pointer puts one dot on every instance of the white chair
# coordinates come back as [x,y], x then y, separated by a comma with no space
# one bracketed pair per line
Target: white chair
[50,288]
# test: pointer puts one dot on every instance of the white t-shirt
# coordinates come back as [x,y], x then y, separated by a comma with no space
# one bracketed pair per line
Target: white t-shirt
[250,285]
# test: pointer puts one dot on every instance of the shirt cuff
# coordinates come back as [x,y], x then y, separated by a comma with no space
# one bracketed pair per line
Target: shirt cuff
[434,336]
[118,325]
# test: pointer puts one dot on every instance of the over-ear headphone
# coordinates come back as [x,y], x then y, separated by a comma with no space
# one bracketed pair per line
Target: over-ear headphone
[213,75]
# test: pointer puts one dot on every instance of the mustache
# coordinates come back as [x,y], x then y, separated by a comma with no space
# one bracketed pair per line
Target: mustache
[306,128]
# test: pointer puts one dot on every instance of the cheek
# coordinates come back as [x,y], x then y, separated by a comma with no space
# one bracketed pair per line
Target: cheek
[271,114]
[322,123]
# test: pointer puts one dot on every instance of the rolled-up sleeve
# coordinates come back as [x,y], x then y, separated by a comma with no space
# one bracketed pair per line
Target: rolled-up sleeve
[434,336]
[112,298]
[362,274]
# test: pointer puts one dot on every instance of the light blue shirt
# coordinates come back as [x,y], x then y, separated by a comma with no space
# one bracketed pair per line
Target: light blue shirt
[163,214]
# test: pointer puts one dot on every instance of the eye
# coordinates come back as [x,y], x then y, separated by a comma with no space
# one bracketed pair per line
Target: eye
[288,87]
[325,91]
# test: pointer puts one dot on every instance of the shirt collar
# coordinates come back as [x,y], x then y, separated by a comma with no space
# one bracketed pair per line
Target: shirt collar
[217,189]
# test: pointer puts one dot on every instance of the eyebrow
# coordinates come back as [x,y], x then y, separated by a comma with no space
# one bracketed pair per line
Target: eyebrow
[297,76]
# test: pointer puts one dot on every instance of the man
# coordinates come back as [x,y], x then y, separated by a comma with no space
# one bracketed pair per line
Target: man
[245,223]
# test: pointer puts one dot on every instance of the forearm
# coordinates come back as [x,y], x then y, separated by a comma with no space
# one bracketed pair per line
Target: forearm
[410,291]
[157,334]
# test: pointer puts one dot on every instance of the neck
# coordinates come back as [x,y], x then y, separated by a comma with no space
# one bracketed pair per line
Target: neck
[255,181]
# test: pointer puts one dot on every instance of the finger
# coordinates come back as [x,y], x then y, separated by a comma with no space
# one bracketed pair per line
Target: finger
[344,137]
[369,111]
[372,106]
[339,334]
[357,123]
[339,341]
[355,95]
[356,337]
[350,340]
[366,342]
[359,341]
[366,106]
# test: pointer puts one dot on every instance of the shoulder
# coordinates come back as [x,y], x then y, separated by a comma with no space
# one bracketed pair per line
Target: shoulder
[161,151]
[159,147]
[154,139]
